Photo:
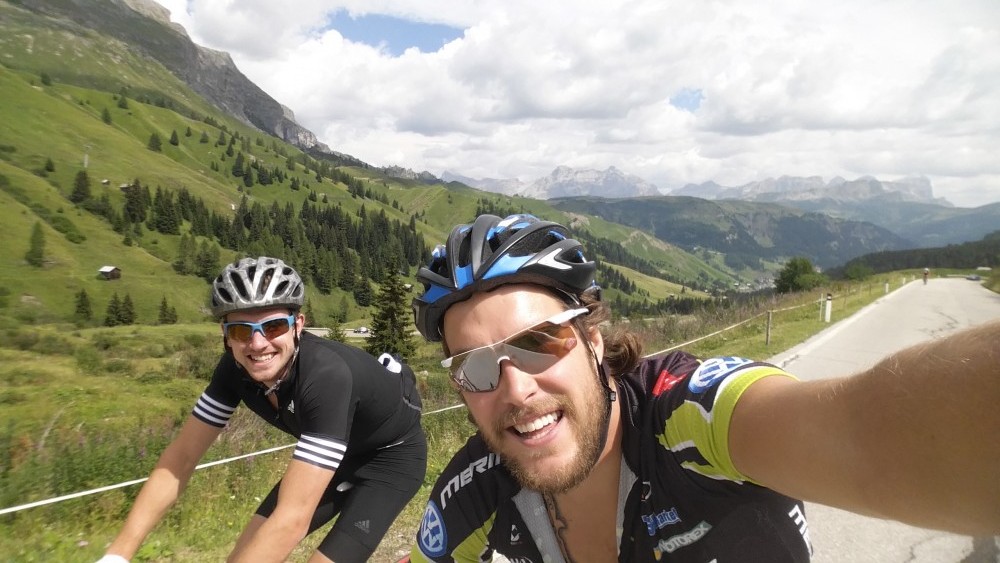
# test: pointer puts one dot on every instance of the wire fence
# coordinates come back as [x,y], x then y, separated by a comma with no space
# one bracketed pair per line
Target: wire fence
[123,484]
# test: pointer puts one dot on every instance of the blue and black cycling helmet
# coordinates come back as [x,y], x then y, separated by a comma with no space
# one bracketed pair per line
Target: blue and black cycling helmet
[492,252]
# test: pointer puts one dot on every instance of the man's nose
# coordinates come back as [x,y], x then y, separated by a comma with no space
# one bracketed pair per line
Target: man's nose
[515,385]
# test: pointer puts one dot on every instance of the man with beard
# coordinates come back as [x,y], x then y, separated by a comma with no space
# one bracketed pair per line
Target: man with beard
[588,452]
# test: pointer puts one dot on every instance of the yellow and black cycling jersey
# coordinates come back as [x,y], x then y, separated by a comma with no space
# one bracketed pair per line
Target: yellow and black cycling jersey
[681,497]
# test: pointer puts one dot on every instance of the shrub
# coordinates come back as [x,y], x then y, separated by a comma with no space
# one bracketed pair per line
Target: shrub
[118,365]
[89,360]
[104,341]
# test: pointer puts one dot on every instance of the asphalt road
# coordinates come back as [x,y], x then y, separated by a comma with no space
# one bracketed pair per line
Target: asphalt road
[913,313]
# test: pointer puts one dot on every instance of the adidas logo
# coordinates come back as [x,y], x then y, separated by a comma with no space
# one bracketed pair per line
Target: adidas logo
[362,525]
[291,407]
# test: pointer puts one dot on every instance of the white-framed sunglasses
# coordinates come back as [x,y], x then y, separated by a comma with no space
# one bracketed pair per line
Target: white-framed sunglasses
[533,350]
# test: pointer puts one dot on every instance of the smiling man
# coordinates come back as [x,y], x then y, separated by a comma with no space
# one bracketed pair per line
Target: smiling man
[361,452]
[586,451]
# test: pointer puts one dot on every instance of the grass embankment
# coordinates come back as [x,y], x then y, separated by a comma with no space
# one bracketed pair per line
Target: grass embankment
[89,408]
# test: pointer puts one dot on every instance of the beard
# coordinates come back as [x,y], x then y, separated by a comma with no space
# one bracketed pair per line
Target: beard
[589,427]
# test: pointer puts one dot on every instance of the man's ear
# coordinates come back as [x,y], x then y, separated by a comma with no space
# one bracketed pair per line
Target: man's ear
[597,342]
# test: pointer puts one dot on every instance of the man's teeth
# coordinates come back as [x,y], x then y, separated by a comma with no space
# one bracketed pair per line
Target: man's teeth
[537,424]
[263,358]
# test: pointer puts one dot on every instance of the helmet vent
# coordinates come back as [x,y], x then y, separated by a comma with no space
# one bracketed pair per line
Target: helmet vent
[238,285]
[463,253]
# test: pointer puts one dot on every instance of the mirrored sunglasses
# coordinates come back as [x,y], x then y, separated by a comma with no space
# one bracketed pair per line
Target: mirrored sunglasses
[242,331]
[532,350]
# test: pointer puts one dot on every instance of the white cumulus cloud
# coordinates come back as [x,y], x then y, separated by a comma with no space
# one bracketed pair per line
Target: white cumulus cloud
[853,88]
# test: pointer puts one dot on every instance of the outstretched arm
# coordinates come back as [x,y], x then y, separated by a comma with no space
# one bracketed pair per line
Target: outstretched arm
[165,484]
[916,438]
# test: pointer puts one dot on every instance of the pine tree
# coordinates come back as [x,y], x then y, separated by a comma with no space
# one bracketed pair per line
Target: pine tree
[174,140]
[307,310]
[122,101]
[184,264]
[126,314]
[83,312]
[342,313]
[155,144]
[391,321]
[187,132]
[237,169]
[81,188]
[207,261]
[36,249]
[106,116]
[336,330]
[112,317]
[204,137]
[135,203]
[363,292]
[49,165]
[168,314]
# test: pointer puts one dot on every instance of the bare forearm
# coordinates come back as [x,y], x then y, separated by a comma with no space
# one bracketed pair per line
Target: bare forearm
[273,540]
[156,497]
[930,417]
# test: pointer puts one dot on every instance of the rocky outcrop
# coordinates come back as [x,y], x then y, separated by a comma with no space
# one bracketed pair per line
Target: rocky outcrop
[145,26]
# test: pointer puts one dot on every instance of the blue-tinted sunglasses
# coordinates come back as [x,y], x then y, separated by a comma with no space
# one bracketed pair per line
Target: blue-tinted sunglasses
[242,331]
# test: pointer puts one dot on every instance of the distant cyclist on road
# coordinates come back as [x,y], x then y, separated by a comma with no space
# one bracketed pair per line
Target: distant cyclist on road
[361,452]
[587,452]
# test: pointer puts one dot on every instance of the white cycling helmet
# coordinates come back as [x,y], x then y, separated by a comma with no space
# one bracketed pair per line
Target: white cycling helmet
[256,283]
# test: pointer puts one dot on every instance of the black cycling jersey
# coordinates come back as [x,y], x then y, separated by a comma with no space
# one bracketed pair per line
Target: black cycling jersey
[335,395]
[680,498]
[351,415]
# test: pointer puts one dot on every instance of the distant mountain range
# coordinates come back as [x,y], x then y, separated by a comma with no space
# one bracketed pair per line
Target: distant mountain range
[788,189]
[565,182]
[906,207]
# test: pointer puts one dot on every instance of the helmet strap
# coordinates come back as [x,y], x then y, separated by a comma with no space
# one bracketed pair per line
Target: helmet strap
[609,395]
[286,370]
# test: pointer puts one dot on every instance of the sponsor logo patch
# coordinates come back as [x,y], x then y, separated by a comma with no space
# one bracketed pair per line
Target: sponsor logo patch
[433,537]
[673,543]
[515,535]
[713,370]
[660,520]
[664,382]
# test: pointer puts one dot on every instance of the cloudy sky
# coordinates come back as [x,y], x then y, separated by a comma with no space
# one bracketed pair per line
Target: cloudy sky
[675,91]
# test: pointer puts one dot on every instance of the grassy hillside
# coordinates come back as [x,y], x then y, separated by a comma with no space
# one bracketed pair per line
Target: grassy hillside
[64,126]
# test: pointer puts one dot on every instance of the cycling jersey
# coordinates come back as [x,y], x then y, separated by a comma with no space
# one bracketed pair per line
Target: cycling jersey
[680,497]
[351,415]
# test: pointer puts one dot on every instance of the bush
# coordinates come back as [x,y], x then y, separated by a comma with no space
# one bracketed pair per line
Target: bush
[52,344]
[118,365]
[23,340]
[154,377]
[104,341]
[12,397]
[67,228]
[196,363]
[89,360]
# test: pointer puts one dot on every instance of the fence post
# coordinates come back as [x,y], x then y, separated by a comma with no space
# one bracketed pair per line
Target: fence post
[829,306]
[767,333]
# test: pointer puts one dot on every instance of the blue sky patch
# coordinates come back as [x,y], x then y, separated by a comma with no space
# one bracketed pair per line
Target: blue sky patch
[395,34]
[687,99]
